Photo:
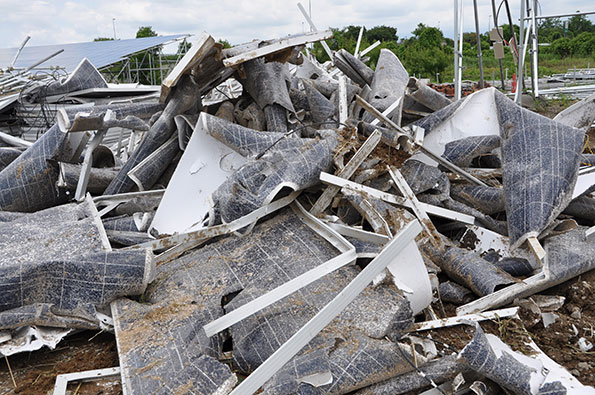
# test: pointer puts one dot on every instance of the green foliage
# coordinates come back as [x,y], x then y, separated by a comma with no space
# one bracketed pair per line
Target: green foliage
[381,33]
[428,37]
[225,43]
[579,24]
[583,44]
[562,47]
[549,30]
[506,31]
[428,52]
[145,31]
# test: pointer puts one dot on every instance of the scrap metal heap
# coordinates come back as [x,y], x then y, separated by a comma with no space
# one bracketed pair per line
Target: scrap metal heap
[297,234]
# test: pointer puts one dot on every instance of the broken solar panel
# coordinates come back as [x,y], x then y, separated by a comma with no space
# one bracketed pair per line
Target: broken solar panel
[147,172]
[388,85]
[439,370]
[569,255]
[488,200]
[58,268]
[469,269]
[85,76]
[267,83]
[540,164]
[28,183]
[182,99]
[533,373]
[188,293]
[289,162]
[365,355]
[461,152]
[323,110]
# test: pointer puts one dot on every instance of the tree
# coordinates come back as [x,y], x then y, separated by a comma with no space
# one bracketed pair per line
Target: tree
[550,29]
[426,52]
[579,24]
[506,31]
[382,33]
[583,44]
[428,37]
[351,32]
[145,31]
[225,43]
[562,47]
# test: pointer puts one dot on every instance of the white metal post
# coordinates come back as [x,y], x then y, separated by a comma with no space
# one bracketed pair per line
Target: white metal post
[456,48]
[520,46]
[534,44]
[459,52]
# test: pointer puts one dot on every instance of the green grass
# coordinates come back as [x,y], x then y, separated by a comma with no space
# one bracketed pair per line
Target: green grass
[548,65]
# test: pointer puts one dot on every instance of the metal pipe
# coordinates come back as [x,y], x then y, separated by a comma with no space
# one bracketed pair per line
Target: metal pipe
[455,49]
[33,65]
[25,41]
[562,15]
[479,57]
[521,53]
[460,71]
[534,51]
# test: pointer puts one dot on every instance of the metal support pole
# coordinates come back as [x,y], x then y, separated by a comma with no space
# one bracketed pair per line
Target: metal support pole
[460,71]
[520,46]
[562,15]
[19,51]
[534,51]
[129,72]
[25,71]
[458,47]
[479,57]
[456,39]
[359,41]
[151,68]
[160,67]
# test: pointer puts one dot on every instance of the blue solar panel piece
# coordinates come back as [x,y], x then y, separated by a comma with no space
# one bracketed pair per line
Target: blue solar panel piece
[100,53]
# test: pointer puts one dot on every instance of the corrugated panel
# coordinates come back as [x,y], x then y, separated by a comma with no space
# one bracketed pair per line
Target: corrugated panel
[100,53]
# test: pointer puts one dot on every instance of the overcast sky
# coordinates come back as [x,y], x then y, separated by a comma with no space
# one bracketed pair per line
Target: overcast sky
[58,22]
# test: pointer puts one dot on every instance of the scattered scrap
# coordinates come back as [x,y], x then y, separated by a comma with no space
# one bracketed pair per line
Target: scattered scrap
[321,229]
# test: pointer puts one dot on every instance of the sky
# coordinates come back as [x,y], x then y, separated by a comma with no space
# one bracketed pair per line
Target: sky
[61,22]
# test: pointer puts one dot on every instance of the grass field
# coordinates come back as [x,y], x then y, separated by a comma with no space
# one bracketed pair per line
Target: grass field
[548,65]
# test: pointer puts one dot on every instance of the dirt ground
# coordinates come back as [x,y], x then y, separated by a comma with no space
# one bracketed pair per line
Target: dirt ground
[35,372]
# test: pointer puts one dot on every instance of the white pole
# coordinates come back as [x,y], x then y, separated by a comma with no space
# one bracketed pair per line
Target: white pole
[458,46]
[456,39]
[520,46]
[460,71]
[359,41]
[534,42]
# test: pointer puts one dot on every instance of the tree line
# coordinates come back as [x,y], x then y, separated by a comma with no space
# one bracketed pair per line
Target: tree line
[427,52]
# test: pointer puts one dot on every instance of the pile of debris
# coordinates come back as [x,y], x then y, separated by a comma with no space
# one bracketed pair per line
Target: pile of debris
[303,236]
